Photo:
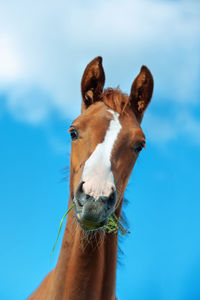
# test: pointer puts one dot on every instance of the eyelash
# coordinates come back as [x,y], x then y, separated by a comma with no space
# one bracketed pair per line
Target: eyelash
[138,147]
[74,133]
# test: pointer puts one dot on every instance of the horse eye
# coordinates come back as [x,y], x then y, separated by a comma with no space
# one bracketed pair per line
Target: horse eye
[139,147]
[74,134]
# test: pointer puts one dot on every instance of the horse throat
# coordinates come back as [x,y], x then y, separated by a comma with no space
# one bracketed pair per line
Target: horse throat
[86,268]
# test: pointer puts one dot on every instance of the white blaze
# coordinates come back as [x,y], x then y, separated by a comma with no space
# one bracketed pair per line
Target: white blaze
[97,173]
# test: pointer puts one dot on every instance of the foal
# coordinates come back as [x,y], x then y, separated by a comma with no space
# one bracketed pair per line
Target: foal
[106,141]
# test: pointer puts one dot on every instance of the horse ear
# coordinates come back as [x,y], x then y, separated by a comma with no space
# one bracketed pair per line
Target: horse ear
[92,82]
[141,92]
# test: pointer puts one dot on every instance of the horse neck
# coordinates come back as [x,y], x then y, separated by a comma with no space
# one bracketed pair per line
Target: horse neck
[86,268]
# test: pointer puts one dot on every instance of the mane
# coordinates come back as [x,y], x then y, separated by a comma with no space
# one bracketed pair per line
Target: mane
[116,100]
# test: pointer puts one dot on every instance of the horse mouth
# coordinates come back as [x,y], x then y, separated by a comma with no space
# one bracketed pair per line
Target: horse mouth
[93,213]
[89,225]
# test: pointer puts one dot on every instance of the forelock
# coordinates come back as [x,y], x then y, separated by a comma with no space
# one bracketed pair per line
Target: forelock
[116,100]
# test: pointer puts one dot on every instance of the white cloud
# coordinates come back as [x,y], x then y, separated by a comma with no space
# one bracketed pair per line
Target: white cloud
[159,130]
[162,130]
[10,62]
[29,103]
[45,46]
[189,126]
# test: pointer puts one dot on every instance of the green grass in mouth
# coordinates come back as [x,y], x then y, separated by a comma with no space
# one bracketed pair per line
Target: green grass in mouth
[60,226]
[113,226]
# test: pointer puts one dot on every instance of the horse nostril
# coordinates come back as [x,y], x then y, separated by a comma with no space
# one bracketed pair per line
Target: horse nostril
[112,199]
[80,188]
[88,197]
[80,195]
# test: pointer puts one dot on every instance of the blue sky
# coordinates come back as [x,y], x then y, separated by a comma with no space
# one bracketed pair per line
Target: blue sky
[44,48]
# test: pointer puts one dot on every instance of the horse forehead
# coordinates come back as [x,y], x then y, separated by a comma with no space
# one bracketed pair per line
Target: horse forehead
[93,111]
[99,117]
[112,127]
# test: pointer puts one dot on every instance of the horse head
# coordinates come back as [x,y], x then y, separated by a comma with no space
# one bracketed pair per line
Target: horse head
[106,141]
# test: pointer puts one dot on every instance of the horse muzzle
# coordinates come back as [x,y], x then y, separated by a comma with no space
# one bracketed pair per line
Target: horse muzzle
[93,213]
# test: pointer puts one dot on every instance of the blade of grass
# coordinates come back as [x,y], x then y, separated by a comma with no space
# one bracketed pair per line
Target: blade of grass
[61,222]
